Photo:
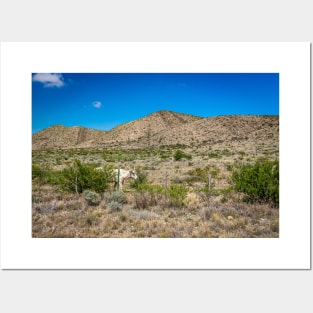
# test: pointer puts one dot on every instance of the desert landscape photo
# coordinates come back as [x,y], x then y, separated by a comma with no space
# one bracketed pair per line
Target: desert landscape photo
[155,155]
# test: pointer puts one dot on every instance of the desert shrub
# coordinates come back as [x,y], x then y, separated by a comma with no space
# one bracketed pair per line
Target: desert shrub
[214,154]
[177,194]
[145,199]
[229,167]
[157,194]
[92,197]
[115,206]
[164,154]
[37,199]
[214,172]
[226,152]
[55,178]
[178,180]
[91,218]
[115,196]
[275,226]
[124,217]
[260,181]
[198,174]
[179,154]
[41,173]
[206,213]
[193,201]
[224,199]
[37,171]
[148,195]
[151,195]
[80,177]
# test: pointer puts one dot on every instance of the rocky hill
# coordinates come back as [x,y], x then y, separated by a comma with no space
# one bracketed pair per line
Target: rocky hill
[142,130]
[60,136]
[221,129]
[164,128]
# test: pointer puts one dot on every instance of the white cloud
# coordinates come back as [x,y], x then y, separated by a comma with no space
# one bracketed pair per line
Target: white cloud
[97,104]
[49,79]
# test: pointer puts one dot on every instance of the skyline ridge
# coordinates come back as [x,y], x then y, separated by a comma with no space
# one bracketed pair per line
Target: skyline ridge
[141,117]
[162,128]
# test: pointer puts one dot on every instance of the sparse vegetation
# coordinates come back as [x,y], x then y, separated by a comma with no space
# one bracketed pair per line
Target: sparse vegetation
[149,215]
[203,178]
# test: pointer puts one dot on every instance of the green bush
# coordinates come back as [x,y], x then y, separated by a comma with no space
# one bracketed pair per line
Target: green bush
[80,177]
[179,154]
[260,182]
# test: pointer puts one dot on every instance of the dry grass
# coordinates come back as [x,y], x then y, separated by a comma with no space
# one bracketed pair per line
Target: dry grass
[62,215]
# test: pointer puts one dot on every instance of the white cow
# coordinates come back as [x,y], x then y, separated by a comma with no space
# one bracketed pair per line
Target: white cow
[120,176]
[123,175]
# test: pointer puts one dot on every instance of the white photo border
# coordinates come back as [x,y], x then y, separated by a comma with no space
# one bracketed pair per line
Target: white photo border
[290,251]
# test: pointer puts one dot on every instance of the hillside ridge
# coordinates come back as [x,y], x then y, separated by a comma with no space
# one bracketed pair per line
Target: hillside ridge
[161,128]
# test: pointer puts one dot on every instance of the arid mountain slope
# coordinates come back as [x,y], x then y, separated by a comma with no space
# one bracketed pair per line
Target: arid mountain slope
[60,136]
[145,128]
[164,128]
[220,129]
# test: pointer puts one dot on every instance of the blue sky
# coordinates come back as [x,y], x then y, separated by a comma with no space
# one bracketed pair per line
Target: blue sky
[104,100]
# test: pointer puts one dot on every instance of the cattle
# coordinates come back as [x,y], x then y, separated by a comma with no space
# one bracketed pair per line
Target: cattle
[120,176]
